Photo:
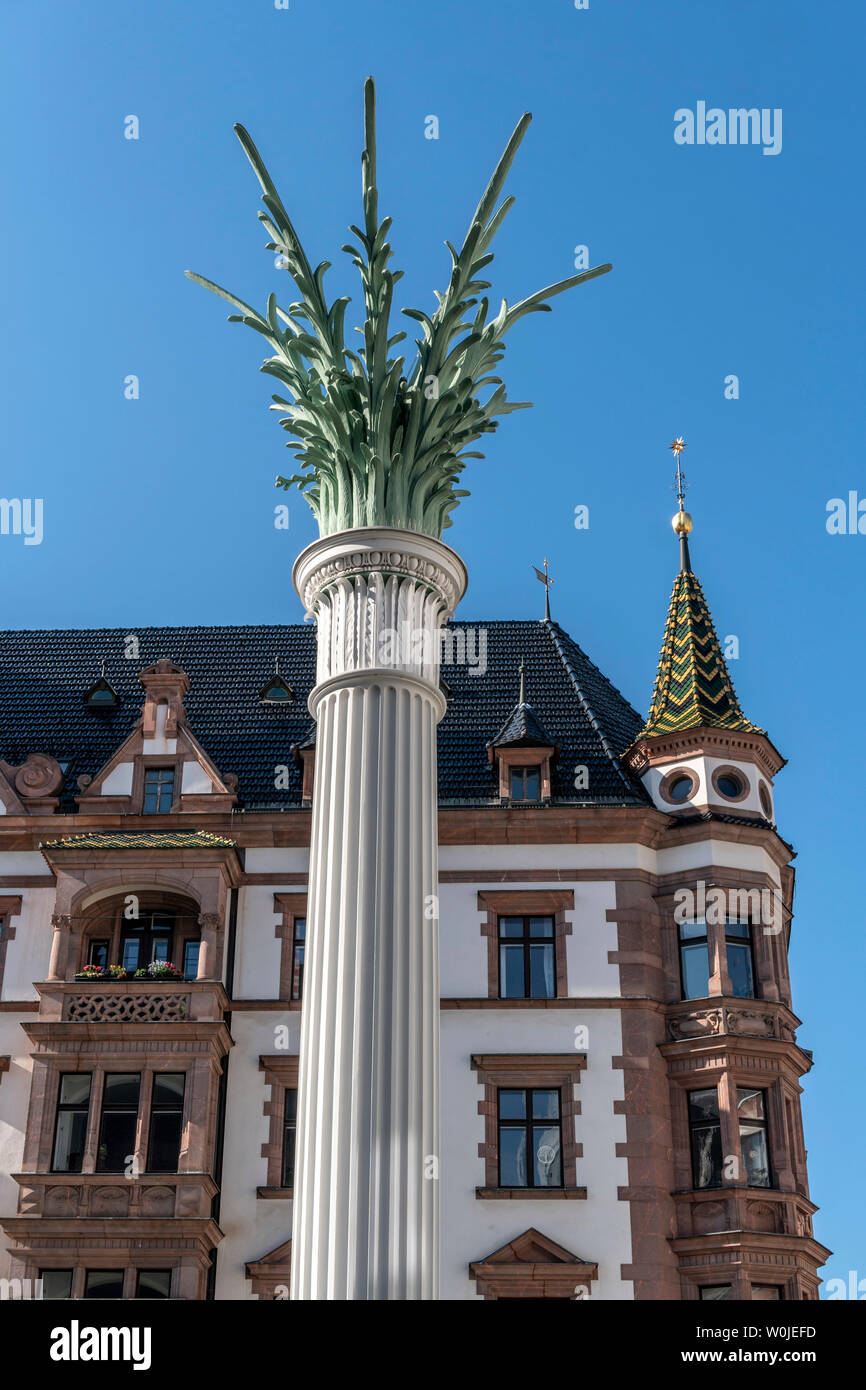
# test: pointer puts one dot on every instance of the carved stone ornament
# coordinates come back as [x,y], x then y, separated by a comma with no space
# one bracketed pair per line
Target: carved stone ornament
[40,775]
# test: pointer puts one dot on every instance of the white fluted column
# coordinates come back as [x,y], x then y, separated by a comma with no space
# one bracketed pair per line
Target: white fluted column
[366,1202]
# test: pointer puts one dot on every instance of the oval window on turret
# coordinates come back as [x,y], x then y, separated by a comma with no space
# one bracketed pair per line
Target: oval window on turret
[730,784]
[678,786]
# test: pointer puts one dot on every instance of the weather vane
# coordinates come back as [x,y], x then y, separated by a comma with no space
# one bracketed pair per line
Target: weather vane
[546,581]
[680,485]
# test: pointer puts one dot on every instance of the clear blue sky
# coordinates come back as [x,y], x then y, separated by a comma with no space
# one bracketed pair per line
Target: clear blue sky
[160,510]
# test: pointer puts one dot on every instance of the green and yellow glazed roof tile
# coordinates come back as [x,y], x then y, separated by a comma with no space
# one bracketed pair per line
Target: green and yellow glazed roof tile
[168,839]
[693,688]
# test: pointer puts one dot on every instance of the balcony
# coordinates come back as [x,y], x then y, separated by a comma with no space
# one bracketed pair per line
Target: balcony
[106,1002]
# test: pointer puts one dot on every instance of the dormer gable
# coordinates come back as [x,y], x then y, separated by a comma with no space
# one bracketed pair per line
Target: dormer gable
[161,768]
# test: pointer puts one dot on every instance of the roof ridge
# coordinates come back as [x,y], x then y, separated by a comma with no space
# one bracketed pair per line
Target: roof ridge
[584,700]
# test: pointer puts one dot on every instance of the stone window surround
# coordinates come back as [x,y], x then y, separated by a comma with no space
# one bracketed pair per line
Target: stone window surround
[10,906]
[507,758]
[290,906]
[555,1071]
[727,1073]
[520,1270]
[95,915]
[146,1070]
[729,770]
[754,1260]
[536,902]
[281,1074]
[271,1275]
[129,1272]
[769,961]
[675,775]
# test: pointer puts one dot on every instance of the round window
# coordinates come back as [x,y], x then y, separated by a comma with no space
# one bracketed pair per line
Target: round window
[766,803]
[729,783]
[680,788]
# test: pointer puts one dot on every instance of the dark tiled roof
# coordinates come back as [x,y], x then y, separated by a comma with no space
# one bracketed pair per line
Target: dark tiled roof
[44,676]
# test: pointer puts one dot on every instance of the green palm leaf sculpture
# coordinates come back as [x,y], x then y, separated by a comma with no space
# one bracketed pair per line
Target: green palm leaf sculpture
[379,445]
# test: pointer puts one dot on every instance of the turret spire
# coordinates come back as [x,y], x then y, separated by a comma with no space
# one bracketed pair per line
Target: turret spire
[693,688]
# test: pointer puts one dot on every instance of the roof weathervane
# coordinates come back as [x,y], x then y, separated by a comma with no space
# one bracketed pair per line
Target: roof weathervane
[682,522]
[546,580]
[680,485]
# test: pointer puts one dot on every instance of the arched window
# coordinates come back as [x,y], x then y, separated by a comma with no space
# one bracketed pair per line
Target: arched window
[133,930]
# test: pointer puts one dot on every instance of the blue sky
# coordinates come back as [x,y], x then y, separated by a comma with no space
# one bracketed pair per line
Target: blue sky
[726,261]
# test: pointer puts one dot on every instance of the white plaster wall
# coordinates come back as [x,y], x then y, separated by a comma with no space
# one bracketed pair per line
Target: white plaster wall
[195,779]
[597,1229]
[463,950]
[22,862]
[706,795]
[257,949]
[271,861]
[29,951]
[119,781]
[253,1226]
[14,1101]
[703,853]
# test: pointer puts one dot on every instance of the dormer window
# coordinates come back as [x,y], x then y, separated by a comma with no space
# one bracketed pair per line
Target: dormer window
[526,783]
[101,695]
[522,753]
[277,691]
[158,790]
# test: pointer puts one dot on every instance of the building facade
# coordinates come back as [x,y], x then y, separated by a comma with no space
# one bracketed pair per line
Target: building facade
[620,1075]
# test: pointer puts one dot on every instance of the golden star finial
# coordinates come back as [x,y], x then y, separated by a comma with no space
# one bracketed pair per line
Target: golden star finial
[678,445]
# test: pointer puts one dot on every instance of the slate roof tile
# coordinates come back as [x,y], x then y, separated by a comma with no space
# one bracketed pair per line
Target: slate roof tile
[44,676]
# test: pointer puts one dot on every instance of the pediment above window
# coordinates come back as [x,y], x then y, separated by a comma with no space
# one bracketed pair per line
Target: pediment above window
[533,1266]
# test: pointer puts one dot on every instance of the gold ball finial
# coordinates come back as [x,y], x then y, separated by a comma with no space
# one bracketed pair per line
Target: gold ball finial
[682,523]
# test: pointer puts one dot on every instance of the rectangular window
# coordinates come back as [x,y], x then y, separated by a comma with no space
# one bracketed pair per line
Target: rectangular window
[716,1293]
[190,959]
[118,1121]
[527,962]
[741,969]
[525,783]
[103,1283]
[530,1138]
[706,1137]
[70,1133]
[153,1283]
[290,1127]
[56,1283]
[97,953]
[299,940]
[751,1112]
[166,1122]
[694,959]
[766,1293]
[158,790]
